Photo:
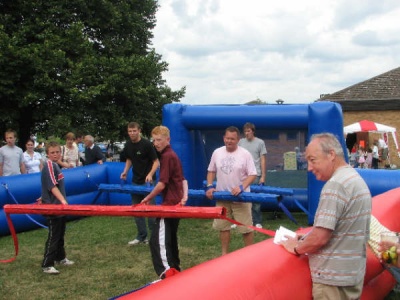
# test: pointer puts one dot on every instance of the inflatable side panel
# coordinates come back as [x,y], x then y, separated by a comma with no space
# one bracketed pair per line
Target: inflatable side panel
[380,181]
[263,116]
[80,184]
[323,117]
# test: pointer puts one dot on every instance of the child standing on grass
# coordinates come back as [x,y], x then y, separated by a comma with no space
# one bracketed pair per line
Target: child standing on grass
[53,192]
[174,189]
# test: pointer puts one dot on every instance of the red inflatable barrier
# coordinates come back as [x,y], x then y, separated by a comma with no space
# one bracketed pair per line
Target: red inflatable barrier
[267,271]
[109,210]
[118,210]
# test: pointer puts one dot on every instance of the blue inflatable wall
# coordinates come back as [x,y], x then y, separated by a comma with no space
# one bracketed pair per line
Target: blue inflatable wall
[81,186]
[188,124]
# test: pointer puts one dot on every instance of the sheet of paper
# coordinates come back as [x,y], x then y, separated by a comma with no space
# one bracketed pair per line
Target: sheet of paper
[280,234]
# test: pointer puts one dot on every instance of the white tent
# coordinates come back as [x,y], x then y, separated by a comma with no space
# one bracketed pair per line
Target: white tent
[369,126]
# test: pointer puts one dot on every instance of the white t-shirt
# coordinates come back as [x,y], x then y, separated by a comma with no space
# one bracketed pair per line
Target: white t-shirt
[32,164]
[231,168]
[382,144]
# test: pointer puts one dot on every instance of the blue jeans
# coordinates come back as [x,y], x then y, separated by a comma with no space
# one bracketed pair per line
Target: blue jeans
[140,221]
[256,207]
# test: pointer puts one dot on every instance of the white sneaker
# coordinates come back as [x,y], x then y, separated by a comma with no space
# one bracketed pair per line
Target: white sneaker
[137,242]
[51,270]
[258,225]
[65,262]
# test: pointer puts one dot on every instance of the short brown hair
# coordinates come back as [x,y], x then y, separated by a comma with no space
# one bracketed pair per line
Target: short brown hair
[161,130]
[134,125]
[52,144]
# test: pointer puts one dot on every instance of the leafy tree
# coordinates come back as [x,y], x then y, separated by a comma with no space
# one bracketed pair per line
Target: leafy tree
[80,65]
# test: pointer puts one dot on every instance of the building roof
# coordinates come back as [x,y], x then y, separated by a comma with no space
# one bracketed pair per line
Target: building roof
[381,92]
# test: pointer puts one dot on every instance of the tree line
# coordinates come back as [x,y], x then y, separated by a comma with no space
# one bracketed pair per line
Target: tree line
[80,65]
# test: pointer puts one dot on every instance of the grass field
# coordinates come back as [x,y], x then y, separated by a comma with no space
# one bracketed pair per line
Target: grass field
[105,265]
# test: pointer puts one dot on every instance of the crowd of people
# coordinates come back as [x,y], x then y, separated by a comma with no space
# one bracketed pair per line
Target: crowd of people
[76,152]
[374,157]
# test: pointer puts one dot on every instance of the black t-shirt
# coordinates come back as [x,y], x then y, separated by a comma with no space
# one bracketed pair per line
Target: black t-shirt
[142,155]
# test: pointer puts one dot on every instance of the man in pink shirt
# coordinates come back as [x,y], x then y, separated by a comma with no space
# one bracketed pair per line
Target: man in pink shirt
[234,168]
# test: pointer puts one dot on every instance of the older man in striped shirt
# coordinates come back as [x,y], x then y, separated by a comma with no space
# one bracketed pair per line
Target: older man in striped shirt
[336,245]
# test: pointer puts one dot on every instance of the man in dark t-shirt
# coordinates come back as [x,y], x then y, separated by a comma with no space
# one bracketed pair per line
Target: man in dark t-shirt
[142,157]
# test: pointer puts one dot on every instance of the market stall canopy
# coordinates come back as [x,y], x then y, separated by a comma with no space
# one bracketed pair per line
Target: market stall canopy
[369,126]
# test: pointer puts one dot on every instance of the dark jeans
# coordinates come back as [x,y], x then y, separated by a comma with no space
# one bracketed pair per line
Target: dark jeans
[140,221]
[375,162]
[256,207]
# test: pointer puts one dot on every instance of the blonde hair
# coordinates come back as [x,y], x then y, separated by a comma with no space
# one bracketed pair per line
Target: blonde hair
[161,130]
[70,136]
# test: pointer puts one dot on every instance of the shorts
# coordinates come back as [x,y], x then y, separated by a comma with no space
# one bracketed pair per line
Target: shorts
[324,291]
[240,211]
[384,153]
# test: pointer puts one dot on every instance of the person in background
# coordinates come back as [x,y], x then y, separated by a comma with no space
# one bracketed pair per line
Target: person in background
[336,245]
[383,152]
[69,153]
[81,147]
[174,189]
[234,168]
[53,192]
[142,157]
[375,155]
[32,160]
[258,151]
[368,159]
[11,156]
[93,152]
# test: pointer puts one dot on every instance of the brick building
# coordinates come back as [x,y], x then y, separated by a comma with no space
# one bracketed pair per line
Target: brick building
[376,99]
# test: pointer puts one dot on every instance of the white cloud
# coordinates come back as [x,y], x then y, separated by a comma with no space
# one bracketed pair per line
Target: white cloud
[232,52]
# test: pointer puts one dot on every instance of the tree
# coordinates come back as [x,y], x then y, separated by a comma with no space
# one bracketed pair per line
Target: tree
[80,65]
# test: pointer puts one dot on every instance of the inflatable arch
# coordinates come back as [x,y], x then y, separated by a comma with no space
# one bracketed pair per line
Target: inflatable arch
[187,123]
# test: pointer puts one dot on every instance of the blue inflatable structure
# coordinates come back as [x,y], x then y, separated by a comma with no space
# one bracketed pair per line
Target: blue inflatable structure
[189,126]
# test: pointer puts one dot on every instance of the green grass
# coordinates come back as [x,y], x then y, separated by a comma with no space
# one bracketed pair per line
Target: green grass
[105,265]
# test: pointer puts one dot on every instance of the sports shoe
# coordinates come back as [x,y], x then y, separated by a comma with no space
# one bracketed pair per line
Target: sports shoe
[233,226]
[137,242]
[169,273]
[65,262]
[258,225]
[51,270]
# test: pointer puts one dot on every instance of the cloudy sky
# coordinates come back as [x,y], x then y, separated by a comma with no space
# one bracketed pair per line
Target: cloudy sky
[235,51]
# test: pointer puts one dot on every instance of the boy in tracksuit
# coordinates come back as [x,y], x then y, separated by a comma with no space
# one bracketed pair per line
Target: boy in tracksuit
[53,192]
[174,189]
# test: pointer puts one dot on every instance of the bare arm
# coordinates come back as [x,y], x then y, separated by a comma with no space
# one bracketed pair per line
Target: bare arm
[56,192]
[210,180]
[157,189]
[246,183]
[185,192]
[263,160]
[128,164]
[317,238]
[154,167]
[23,168]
